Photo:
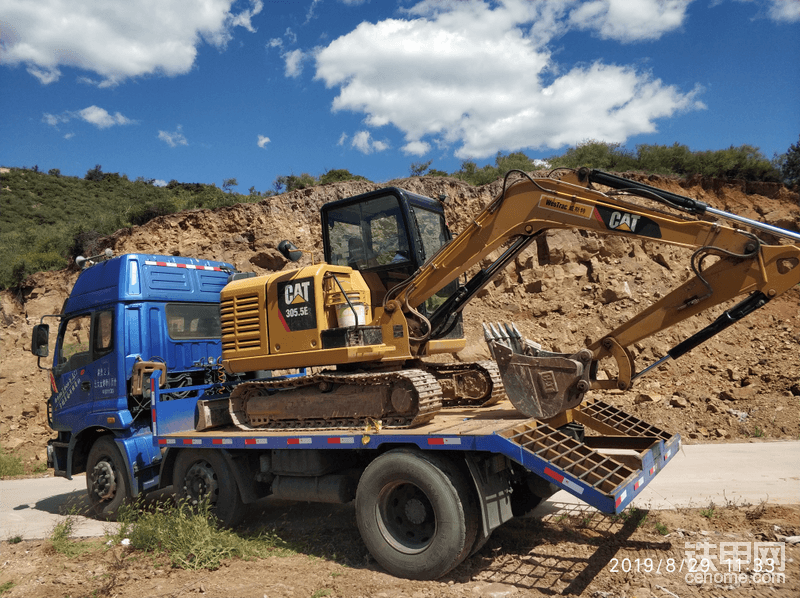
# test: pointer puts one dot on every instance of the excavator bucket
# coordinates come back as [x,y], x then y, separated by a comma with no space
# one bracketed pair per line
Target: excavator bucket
[538,383]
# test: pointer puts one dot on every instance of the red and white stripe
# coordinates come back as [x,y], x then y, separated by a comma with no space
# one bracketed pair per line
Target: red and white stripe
[187,266]
[563,480]
[443,441]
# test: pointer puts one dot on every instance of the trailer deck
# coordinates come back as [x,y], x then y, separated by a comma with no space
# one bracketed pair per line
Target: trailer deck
[620,455]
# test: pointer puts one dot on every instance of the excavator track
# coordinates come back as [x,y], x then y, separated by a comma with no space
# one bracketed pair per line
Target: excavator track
[475,384]
[400,399]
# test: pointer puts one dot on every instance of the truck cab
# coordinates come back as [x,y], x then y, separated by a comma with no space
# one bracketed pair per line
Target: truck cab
[125,318]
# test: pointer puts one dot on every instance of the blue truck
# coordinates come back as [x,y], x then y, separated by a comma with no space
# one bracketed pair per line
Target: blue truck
[125,318]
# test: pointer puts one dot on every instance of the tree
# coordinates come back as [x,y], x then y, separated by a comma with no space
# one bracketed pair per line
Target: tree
[339,174]
[94,174]
[419,168]
[790,167]
[293,182]
[228,184]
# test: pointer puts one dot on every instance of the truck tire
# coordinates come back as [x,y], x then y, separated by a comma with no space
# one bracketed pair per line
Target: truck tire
[416,513]
[107,482]
[201,474]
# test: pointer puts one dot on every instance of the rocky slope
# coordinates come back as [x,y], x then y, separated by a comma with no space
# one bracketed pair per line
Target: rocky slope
[568,289]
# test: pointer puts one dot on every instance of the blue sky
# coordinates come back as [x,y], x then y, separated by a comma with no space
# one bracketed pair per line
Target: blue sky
[206,90]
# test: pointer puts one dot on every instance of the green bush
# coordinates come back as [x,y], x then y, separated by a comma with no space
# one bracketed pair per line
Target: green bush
[46,220]
[10,465]
[191,537]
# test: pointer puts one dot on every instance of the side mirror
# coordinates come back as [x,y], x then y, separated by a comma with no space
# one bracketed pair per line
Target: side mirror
[40,340]
[290,251]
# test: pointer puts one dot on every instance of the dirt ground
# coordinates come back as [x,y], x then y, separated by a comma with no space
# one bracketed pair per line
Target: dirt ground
[570,289]
[575,552]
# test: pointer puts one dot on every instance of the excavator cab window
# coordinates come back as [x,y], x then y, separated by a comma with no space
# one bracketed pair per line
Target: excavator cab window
[387,235]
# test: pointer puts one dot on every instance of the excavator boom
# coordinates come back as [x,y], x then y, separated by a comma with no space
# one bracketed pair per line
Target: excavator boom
[544,384]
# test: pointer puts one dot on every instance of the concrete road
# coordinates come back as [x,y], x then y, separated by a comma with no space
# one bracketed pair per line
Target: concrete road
[699,474]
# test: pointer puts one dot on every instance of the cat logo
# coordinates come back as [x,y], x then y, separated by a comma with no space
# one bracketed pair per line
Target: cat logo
[296,293]
[297,304]
[623,221]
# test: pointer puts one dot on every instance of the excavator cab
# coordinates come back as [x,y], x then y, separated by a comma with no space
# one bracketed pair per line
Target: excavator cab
[386,235]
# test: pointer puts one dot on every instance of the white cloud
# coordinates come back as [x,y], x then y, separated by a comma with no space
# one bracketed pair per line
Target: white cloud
[99,117]
[482,77]
[364,143]
[784,11]
[416,148]
[115,40]
[630,20]
[262,141]
[174,138]
[294,63]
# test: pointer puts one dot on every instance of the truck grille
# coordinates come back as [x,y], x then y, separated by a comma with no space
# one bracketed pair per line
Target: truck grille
[241,327]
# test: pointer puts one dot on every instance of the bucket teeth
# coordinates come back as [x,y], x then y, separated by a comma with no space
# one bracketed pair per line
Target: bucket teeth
[505,333]
[537,382]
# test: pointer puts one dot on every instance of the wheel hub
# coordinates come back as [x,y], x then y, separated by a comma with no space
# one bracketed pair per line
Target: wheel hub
[415,511]
[201,482]
[104,482]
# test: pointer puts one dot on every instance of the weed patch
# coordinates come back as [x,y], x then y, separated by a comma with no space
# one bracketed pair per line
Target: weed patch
[191,537]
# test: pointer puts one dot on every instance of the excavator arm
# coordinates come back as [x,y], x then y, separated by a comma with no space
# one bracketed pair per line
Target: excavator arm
[727,263]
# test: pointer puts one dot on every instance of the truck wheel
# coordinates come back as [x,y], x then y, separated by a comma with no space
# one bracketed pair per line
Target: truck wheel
[416,513]
[107,480]
[204,474]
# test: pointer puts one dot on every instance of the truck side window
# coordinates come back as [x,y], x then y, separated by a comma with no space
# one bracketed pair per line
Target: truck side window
[74,348]
[193,321]
[103,333]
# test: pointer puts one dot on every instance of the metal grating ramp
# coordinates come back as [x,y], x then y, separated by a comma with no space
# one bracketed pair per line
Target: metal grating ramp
[569,456]
[622,423]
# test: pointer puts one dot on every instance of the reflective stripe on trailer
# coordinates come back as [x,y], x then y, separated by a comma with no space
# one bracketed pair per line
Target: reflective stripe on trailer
[222,441]
[342,440]
[305,440]
[441,441]
[562,480]
[187,266]
[255,441]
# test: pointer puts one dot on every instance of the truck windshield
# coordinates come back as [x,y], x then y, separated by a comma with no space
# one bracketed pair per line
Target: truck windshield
[193,321]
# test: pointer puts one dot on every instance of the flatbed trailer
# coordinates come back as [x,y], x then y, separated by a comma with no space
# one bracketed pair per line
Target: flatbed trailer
[494,463]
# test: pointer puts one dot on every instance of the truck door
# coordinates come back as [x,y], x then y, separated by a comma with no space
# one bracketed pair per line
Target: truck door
[84,371]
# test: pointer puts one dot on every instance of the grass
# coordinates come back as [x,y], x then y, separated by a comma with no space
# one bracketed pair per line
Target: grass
[191,537]
[10,465]
[661,528]
[6,587]
[62,543]
[709,512]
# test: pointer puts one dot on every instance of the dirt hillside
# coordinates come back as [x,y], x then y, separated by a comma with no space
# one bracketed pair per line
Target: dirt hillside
[569,289]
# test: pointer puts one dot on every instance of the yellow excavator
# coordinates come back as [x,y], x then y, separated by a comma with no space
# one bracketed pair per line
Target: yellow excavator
[389,294]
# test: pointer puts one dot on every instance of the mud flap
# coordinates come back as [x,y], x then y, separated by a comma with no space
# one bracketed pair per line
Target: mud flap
[538,383]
